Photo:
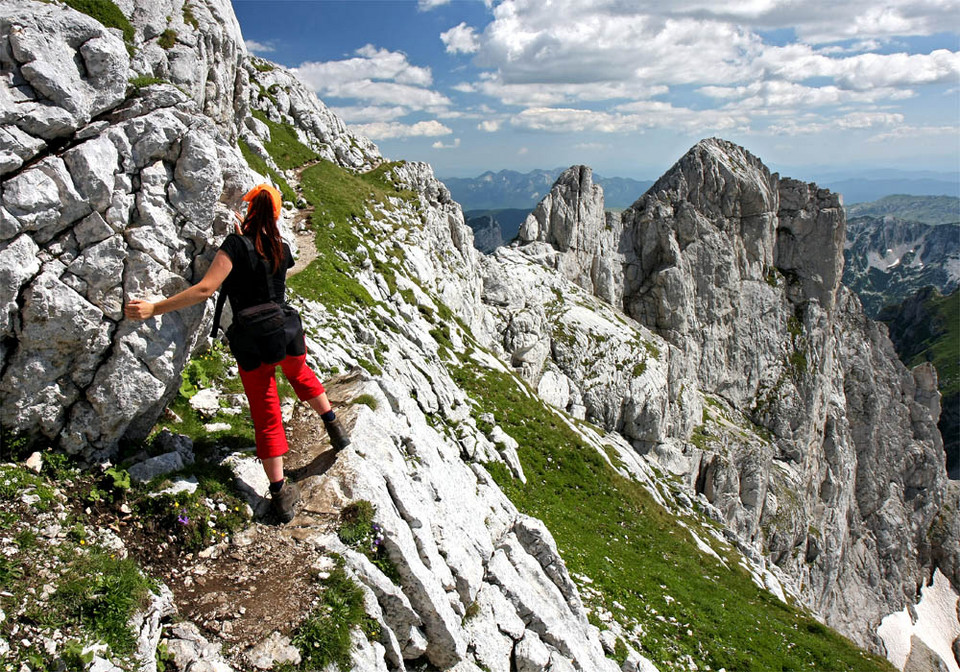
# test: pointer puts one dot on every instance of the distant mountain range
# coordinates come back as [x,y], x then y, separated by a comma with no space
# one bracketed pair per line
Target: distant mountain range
[858,190]
[927,209]
[512,189]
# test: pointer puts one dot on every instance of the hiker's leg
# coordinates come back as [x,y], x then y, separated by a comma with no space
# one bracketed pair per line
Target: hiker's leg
[305,383]
[310,390]
[260,386]
[273,466]
[320,403]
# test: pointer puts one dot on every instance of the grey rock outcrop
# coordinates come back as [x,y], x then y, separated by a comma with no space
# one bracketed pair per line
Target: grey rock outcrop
[581,241]
[112,192]
[93,210]
[64,70]
[477,578]
[198,47]
[737,273]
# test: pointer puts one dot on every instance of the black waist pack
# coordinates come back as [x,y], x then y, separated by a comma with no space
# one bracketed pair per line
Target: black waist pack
[265,334]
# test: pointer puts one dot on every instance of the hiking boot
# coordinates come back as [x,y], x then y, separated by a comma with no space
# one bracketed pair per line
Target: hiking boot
[284,502]
[339,438]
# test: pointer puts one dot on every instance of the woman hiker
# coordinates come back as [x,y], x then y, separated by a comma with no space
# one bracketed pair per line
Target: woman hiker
[252,266]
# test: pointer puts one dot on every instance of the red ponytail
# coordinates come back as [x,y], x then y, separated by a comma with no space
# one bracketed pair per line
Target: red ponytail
[260,224]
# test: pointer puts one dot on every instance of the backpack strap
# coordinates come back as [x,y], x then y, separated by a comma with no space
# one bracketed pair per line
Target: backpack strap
[254,259]
[217,312]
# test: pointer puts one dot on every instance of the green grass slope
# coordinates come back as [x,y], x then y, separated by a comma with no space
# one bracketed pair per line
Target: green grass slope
[646,569]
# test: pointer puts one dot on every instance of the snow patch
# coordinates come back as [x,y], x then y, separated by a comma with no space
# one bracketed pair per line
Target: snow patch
[936,626]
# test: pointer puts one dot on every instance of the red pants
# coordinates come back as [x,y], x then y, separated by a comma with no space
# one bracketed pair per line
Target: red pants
[260,385]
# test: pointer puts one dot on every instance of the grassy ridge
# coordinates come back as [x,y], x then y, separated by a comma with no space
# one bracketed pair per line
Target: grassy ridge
[942,344]
[284,146]
[340,200]
[260,166]
[610,529]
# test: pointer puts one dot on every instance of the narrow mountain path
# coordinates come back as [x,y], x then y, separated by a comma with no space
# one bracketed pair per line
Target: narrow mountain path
[265,578]
[302,231]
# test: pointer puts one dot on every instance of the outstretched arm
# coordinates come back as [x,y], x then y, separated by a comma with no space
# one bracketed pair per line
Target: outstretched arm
[137,309]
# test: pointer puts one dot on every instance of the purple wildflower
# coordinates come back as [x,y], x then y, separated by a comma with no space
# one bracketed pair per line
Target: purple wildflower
[377,537]
[182,518]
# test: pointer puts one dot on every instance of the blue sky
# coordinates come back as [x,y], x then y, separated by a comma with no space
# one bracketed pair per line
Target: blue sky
[627,86]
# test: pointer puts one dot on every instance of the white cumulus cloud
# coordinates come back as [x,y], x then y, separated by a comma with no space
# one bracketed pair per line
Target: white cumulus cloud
[569,52]
[799,62]
[461,39]
[375,76]
[453,145]
[818,21]
[775,95]
[904,131]
[627,118]
[811,124]
[255,47]
[362,114]
[370,63]
[489,125]
[394,129]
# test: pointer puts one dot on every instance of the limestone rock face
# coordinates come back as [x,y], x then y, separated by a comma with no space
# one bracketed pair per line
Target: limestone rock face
[580,354]
[198,47]
[109,193]
[810,239]
[571,220]
[771,390]
[64,70]
[742,270]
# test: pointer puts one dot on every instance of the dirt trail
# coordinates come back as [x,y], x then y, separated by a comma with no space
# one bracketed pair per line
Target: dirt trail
[265,580]
[301,220]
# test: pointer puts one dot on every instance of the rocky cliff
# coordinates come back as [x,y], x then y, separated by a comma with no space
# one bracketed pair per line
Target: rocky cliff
[836,473]
[702,334]
[117,177]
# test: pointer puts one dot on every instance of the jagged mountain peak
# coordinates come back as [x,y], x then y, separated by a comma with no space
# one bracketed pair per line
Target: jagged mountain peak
[739,271]
[720,179]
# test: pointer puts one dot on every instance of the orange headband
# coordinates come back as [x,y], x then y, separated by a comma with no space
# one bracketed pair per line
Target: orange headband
[274,197]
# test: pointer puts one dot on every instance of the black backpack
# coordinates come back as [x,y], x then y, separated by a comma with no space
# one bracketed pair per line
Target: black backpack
[265,333]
